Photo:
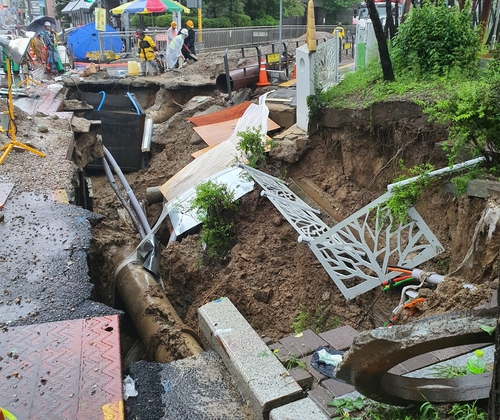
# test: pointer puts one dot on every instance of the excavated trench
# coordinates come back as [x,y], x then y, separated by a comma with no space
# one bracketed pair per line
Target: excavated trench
[268,275]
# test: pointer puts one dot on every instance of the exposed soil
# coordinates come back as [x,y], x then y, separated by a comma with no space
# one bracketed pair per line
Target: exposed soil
[270,276]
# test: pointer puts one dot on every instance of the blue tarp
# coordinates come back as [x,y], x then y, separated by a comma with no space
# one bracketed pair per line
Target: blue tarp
[86,39]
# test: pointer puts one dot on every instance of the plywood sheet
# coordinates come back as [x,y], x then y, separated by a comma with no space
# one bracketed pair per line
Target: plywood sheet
[227,114]
[213,134]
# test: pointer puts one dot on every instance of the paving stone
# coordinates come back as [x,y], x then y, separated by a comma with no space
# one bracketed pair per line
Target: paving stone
[337,388]
[304,409]
[322,397]
[419,362]
[267,341]
[280,352]
[303,345]
[260,376]
[316,374]
[302,377]
[398,370]
[340,338]
[450,352]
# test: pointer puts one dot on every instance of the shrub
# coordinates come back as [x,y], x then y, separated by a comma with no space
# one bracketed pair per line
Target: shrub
[252,145]
[215,207]
[436,39]
[265,21]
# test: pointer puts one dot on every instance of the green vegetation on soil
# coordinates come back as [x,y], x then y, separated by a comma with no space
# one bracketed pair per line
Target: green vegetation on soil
[215,207]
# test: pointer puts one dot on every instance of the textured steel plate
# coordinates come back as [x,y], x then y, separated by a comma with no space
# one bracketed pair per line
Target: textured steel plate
[62,370]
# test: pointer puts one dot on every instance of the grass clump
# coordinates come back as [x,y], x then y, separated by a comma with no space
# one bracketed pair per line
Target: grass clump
[317,321]
[215,207]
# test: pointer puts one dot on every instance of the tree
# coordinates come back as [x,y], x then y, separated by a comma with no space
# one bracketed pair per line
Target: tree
[383,50]
[334,6]
[293,8]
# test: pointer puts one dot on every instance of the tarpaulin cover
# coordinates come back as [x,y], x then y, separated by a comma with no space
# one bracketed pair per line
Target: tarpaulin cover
[86,39]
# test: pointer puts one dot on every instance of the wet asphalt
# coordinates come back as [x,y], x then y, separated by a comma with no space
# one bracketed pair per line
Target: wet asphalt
[44,274]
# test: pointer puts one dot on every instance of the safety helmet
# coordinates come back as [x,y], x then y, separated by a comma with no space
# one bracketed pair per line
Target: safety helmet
[139,32]
[173,24]
[184,31]
[190,24]
[46,24]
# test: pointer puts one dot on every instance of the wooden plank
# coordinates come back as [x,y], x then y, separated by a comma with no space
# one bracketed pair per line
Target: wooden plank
[227,114]
[213,134]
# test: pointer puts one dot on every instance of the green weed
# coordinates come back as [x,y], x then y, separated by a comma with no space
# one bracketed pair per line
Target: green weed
[317,322]
[215,208]
[467,412]
[252,145]
[408,195]
[449,371]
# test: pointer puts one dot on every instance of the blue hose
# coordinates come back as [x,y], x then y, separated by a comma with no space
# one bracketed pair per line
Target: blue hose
[102,100]
[134,103]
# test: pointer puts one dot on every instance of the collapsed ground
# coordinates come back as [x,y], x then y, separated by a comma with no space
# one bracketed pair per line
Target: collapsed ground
[268,275]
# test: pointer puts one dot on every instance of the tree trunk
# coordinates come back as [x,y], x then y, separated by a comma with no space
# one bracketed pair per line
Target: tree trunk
[396,15]
[385,60]
[494,402]
[390,19]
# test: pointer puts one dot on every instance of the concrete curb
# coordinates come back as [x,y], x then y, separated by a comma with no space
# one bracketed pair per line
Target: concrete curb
[260,376]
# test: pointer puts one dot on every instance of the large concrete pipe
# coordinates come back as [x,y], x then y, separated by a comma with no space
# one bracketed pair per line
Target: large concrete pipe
[151,311]
[239,78]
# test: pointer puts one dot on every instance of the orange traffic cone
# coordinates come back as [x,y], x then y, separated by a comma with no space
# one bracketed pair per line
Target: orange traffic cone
[294,72]
[263,74]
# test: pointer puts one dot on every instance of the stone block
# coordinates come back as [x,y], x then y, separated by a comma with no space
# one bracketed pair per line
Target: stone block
[418,362]
[280,352]
[398,370]
[261,378]
[304,409]
[302,344]
[302,377]
[340,338]
[322,397]
[337,388]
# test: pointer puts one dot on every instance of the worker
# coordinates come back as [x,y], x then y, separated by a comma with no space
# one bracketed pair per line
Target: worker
[174,50]
[188,50]
[147,52]
[51,39]
[340,30]
[171,32]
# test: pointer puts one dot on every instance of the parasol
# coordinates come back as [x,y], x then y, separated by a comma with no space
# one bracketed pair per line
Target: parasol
[37,24]
[150,6]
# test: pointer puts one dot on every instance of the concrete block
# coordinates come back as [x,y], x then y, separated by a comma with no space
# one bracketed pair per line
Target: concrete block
[279,351]
[337,388]
[340,338]
[322,397]
[302,344]
[398,370]
[261,378]
[304,409]
[302,377]
[418,362]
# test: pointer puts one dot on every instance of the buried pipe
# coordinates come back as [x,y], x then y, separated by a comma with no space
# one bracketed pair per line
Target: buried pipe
[238,78]
[150,310]
[111,178]
[130,193]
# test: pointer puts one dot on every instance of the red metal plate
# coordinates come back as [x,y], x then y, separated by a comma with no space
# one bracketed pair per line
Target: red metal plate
[62,370]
